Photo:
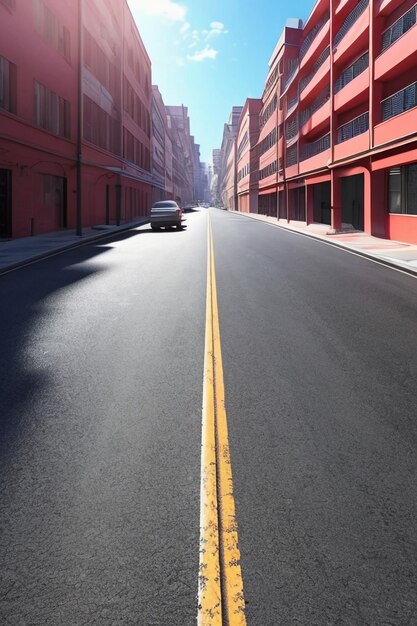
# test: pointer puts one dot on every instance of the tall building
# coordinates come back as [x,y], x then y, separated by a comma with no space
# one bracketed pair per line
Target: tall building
[84,139]
[62,115]
[215,179]
[247,159]
[182,153]
[338,124]
[161,149]
[227,176]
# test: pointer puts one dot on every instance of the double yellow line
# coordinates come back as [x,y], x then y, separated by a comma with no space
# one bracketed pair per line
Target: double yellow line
[220,589]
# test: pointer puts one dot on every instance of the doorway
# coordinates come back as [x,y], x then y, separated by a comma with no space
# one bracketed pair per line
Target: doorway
[5,203]
[321,203]
[352,202]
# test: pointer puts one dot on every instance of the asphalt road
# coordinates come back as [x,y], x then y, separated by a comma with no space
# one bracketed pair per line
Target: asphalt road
[101,369]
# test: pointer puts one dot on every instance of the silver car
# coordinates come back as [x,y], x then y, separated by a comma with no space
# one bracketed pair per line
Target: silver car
[166,213]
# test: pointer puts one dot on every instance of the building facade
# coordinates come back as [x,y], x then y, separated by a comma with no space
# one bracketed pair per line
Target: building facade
[182,154]
[338,132]
[83,138]
[227,176]
[247,159]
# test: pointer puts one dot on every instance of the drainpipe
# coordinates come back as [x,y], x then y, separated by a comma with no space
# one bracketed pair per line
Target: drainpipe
[79,231]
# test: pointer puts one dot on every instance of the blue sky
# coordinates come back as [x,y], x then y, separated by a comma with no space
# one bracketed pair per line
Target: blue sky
[212,54]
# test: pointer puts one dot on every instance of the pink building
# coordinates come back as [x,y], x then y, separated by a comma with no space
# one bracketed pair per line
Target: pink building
[75,129]
[247,156]
[338,124]
[161,149]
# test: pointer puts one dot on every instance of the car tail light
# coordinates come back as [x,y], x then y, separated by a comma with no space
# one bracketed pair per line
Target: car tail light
[179,212]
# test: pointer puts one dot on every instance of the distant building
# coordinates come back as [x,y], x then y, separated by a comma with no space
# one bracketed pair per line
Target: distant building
[247,159]
[215,180]
[227,177]
[182,153]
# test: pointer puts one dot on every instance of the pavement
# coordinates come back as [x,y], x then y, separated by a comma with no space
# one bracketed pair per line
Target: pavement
[16,253]
[397,254]
[19,252]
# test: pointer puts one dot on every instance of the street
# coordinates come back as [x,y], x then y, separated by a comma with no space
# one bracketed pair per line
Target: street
[101,363]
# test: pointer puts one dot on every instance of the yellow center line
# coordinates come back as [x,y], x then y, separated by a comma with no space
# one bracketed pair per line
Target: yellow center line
[220,592]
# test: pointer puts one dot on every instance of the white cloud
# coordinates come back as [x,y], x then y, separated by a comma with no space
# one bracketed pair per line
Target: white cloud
[201,55]
[216,28]
[162,8]
[185,27]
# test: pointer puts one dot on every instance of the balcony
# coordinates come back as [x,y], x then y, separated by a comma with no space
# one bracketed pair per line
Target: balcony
[314,39]
[291,129]
[399,102]
[288,78]
[316,114]
[357,78]
[386,7]
[350,21]
[347,39]
[319,72]
[399,115]
[315,147]
[399,28]
[291,157]
[353,137]
[291,105]
[351,72]
[399,50]
[315,155]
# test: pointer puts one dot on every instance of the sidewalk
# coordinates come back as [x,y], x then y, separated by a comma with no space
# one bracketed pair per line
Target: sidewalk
[392,253]
[15,253]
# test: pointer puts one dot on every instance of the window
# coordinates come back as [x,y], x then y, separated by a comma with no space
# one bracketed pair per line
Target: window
[7,85]
[402,189]
[99,65]
[51,111]
[51,29]
[101,129]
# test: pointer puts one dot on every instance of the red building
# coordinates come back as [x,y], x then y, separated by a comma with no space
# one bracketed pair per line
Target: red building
[247,156]
[75,105]
[338,124]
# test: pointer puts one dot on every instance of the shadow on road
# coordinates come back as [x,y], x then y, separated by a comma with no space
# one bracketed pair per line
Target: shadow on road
[24,302]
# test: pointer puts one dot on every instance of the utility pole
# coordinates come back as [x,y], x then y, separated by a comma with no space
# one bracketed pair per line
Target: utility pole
[79,230]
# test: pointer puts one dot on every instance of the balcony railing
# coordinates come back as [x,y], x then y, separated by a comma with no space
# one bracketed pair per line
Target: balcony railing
[401,26]
[291,156]
[292,103]
[349,21]
[322,58]
[352,72]
[288,77]
[312,35]
[316,147]
[305,114]
[291,128]
[399,102]
[355,127]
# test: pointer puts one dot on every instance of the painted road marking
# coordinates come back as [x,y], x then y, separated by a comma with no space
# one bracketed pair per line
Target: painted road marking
[220,589]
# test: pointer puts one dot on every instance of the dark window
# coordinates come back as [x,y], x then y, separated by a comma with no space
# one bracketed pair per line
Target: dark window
[100,128]
[7,85]
[51,29]
[402,189]
[51,111]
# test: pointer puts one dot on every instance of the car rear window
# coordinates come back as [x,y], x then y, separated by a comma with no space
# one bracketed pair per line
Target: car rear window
[161,205]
